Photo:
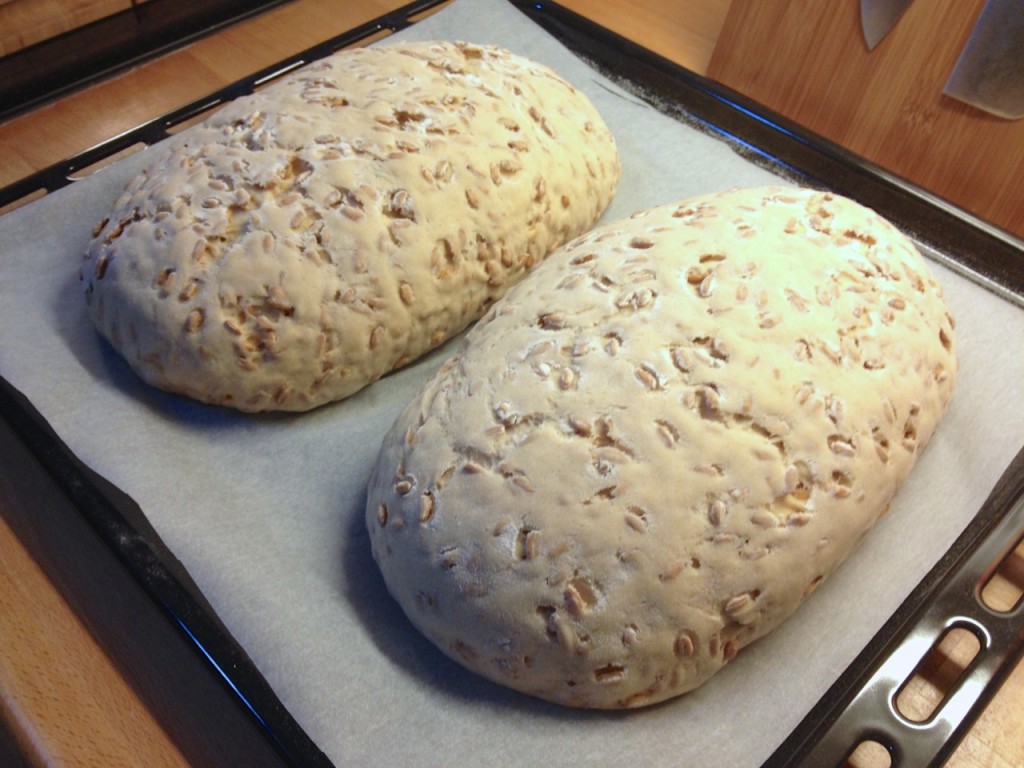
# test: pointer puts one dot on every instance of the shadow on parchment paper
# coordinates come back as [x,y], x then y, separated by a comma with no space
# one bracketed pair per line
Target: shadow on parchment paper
[402,645]
[398,641]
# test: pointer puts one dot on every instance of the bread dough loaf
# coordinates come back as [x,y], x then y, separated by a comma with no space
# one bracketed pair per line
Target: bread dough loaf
[652,450]
[308,239]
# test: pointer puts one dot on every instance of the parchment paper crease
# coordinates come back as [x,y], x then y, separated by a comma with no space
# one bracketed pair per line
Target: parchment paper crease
[266,512]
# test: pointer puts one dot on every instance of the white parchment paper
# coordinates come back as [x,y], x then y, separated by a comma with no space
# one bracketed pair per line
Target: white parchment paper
[266,512]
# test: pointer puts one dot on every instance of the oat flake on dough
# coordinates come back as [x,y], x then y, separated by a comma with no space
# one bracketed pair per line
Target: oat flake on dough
[306,240]
[651,451]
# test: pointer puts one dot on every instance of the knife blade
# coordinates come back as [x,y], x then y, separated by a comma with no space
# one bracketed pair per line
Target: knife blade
[989,74]
[878,17]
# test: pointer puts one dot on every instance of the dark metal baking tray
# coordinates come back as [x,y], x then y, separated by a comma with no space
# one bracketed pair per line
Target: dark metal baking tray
[860,704]
[83,55]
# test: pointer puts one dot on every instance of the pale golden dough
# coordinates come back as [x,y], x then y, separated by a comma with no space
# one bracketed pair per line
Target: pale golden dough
[651,451]
[306,240]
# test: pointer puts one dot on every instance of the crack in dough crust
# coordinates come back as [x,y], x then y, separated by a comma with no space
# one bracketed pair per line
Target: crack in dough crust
[649,453]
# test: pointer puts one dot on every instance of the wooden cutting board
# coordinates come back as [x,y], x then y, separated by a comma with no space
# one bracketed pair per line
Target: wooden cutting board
[808,61]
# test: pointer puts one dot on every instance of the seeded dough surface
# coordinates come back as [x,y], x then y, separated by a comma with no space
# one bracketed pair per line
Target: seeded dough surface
[306,240]
[651,451]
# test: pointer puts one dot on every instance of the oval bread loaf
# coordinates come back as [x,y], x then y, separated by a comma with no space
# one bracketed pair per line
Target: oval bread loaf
[651,451]
[308,239]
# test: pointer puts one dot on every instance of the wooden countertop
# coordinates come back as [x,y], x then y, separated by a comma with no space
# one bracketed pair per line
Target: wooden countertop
[90,673]
[884,104]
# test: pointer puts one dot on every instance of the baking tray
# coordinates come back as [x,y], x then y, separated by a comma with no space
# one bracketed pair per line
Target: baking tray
[859,705]
[36,74]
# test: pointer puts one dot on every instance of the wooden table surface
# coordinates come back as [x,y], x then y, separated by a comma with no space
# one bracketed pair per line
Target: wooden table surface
[90,673]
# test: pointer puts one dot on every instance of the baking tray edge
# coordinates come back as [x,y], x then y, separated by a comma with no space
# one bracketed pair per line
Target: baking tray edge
[981,252]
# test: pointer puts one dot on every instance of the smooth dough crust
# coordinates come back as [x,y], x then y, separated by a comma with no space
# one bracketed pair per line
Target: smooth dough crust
[651,451]
[306,240]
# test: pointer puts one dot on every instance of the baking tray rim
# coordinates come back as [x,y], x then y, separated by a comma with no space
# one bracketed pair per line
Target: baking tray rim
[976,249]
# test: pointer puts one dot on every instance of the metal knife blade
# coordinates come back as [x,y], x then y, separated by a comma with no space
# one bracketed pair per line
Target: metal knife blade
[989,74]
[878,17]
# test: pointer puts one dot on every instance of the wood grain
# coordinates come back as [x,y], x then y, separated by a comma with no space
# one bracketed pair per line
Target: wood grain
[92,670]
[685,33]
[808,61]
[53,663]
[25,22]
[81,120]
[45,695]
[56,131]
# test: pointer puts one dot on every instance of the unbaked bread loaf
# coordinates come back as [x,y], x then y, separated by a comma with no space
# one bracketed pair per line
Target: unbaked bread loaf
[651,451]
[306,240]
